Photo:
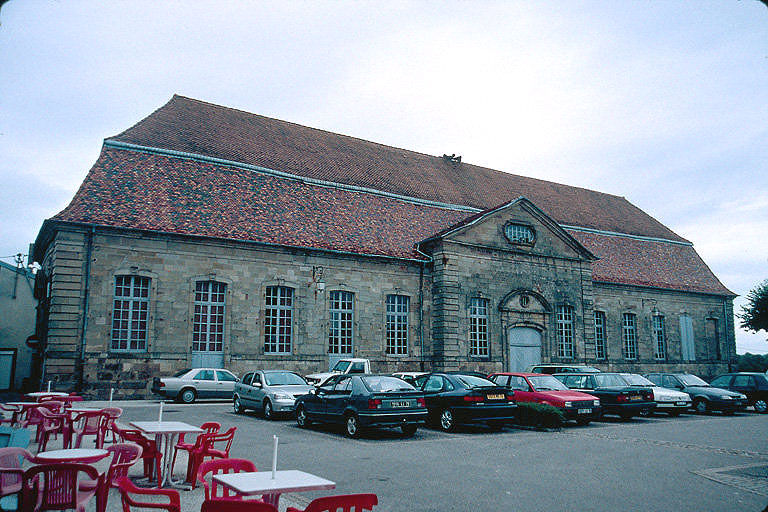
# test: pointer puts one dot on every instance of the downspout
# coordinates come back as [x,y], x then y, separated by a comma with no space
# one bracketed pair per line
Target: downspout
[422,265]
[80,362]
[583,313]
[725,330]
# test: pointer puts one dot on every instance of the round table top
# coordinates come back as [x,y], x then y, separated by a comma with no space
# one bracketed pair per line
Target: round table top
[73,455]
[35,394]
[21,404]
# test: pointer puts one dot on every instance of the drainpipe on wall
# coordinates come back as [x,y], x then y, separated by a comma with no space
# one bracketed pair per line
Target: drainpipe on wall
[725,330]
[80,361]
[421,305]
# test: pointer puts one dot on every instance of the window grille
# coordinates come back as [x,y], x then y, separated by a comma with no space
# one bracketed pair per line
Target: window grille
[629,336]
[599,335]
[208,320]
[340,325]
[130,311]
[660,337]
[478,327]
[278,320]
[565,331]
[397,325]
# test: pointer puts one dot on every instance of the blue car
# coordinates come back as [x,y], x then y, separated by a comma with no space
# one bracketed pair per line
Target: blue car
[360,402]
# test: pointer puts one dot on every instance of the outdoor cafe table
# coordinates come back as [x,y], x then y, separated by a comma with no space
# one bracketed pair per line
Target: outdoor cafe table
[37,394]
[166,433]
[82,455]
[261,482]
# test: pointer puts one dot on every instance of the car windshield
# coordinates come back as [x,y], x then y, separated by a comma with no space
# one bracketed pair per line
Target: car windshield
[606,380]
[470,381]
[691,380]
[381,383]
[341,366]
[634,379]
[546,383]
[283,379]
[181,372]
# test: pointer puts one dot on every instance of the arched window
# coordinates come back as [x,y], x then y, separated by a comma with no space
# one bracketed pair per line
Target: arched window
[565,331]
[278,320]
[397,325]
[659,337]
[208,320]
[629,336]
[130,311]
[340,333]
[600,335]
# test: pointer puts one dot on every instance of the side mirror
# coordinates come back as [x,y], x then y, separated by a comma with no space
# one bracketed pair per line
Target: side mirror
[313,391]
[257,384]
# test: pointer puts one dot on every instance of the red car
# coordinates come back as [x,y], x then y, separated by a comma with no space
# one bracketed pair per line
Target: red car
[545,389]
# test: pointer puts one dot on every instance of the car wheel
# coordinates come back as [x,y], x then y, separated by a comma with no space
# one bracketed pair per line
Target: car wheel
[238,406]
[447,421]
[674,413]
[269,414]
[626,416]
[409,430]
[301,417]
[760,406]
[187,395]
[583,423]
[353,426]
[701,406]
[645,412]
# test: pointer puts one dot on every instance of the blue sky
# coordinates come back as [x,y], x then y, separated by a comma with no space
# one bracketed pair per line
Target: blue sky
[664,103]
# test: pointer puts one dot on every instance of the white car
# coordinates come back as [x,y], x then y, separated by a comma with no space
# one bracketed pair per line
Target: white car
[342,367]
[409,377]
[192,383]
[667,400]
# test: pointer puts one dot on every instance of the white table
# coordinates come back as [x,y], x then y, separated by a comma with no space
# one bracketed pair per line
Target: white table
[37,394]
[166,433]
[261,482]
[83,455]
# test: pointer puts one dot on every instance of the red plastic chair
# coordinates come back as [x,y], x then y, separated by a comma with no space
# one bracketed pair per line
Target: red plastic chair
[14,419]
[215,446]
[34,418]
[127,488]
[345,502]
[149,452]
[209,427]
[110,416]
[88,423]
[50,424]
[236,506]
[124,455]
[57,486]
[11,474]
[214,491]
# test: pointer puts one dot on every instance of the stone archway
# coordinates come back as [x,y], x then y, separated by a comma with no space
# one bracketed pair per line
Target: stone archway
[524,318]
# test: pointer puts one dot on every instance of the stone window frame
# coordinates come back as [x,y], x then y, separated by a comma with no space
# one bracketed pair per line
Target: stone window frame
[191,286]
[629,336]
[601,341]
[521,224]
[659,331]
[352,322]
[278,308]
[477,328]
[398,317]
[718,355]
[205,289]
[133,275]
[565,330]
[687,318]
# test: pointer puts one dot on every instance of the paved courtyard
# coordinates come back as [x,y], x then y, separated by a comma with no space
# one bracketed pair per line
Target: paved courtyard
[692,463]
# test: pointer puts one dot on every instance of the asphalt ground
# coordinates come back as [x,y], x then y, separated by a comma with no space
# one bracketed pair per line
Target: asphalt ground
[691,463]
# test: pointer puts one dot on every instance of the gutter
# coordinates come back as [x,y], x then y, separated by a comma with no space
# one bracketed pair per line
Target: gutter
[421,302]
[80,361]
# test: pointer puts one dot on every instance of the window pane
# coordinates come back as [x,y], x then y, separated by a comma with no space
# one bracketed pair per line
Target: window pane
[600,352]
[278,320]
[397,324]
[629,336]
[340,330]
[660,337]
[130,313]
[478,327]
[208,319]
[565,331]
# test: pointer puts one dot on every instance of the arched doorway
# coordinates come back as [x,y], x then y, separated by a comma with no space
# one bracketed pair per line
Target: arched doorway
[524,348]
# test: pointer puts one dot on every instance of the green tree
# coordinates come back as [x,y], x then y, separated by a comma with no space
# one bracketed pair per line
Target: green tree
[754,314]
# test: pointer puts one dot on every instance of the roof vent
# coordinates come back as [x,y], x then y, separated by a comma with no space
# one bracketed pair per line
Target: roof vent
[452,158]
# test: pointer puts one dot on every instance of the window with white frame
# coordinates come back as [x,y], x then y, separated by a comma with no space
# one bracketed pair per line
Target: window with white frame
[564,331]
[130,310]
[629,336]
[599,335]
[341,321]
[208,319]
[478,327]
[519,233]
[278,320]
[659,337]
[397,325]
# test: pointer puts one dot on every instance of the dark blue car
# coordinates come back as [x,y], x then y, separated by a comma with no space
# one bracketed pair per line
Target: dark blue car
[364,401]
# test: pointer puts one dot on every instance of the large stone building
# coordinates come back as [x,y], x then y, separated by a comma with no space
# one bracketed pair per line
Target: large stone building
[17,323]
[205,235]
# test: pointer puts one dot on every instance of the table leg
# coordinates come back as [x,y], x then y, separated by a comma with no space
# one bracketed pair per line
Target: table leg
[168,441]
[272,499]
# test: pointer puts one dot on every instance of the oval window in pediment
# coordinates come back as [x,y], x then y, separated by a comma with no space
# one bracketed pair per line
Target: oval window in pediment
[519,233]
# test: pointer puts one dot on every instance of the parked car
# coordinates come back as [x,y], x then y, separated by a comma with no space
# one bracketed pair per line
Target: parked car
[364,401]
[546,389]
[671,401]
[270,391]
[192,383]
[457,398]
[409,377]
[342,367]
[705,397]
[612,390]
[753,385]
[561,368]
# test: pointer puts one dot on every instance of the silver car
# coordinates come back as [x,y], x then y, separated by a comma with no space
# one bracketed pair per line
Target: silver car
[270,391]
[191,383]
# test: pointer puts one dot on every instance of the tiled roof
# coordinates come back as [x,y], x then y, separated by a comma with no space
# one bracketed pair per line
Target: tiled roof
[194,126]
[151,192]
[625,260]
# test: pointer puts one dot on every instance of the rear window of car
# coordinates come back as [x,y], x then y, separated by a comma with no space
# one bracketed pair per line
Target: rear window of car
[471,381]
[283,379]
[376,384]
[181,372]
[605,381]
[204,375]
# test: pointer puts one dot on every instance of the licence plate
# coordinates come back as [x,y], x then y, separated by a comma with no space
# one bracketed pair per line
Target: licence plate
[498,396]
[680,403]
[635,397]
[401,403]
[585,411]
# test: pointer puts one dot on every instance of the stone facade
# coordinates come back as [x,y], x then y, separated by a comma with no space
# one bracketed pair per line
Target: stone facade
[17,322]
[524,284]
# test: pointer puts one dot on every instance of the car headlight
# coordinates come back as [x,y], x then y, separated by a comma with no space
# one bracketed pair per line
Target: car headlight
[283,396]
[727,397]
[569,404]
[743,397]
[596,403]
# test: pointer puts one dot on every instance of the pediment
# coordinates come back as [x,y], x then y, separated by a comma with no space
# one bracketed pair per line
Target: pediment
[518,226]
